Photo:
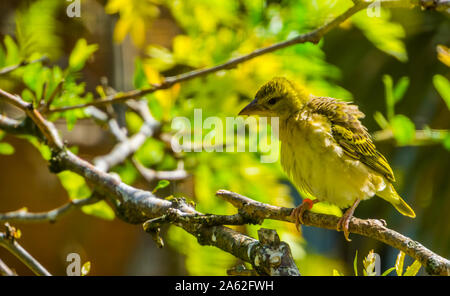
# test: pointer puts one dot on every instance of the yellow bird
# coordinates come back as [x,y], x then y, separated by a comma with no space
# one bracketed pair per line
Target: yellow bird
[325,150]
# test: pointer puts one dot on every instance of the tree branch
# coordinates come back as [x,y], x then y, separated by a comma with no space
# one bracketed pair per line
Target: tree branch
[9,69]
[375,229]
[5,270]
[22,216]
[13,246]
[313,36]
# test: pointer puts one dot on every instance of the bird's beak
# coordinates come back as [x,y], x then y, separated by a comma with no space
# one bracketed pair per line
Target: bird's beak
[251,109]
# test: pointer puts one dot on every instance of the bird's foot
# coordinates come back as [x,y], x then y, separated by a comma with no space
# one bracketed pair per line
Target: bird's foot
[297,213]
[343,225]
[344,221]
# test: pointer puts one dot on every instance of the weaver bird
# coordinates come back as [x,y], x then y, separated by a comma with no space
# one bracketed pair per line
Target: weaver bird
[325,150]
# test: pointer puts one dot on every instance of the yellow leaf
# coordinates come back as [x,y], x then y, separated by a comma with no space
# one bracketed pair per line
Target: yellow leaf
[336,273]
[86,268]
[138,32]
[153,76]
[17,234]
[399,263]
[369,264]
[122,27]
[413,269]
[443,54]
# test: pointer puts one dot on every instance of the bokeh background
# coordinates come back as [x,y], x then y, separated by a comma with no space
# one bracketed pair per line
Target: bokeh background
[139,42]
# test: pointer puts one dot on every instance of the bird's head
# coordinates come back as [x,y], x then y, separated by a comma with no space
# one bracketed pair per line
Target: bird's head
[277,98]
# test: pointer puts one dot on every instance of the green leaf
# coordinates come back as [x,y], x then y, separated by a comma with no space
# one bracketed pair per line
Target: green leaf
[86,268]
[381,120]
[43,149]
[446,141]
[355,263]
[80,54]
[400,89]
[100,209]
[403,128]
[384,34]
[12,51]
[399,263]
[442,85]
[413,269]
[388,271]
[161,184]
[389,95]
[74,184]
[139,79]
[6,148]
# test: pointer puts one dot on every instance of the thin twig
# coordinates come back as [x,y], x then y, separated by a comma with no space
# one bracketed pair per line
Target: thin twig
[23,216]
[5,270]
[17,250]
[9,69]
[151,175]
[421,137]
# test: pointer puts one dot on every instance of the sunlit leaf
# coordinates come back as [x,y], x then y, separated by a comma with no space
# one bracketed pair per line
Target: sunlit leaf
[443,54]
[100,209]
[12,51]
[388,271]
[400,89]
[389,95]
[80,54]
[446,141]
[74,184]
[403,128]
[399,263]
[384,34]
[381,120]
[336,273]
[355,263]
[37,26]
[86,268]
[413,269]
[369,264]
[6,148]
[442,85]
[161,184]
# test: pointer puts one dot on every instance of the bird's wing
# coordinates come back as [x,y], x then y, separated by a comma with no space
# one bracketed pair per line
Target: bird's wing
[350,134]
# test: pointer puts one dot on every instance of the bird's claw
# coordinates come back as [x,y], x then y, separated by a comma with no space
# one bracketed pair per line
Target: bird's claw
[343,224]
[297,213]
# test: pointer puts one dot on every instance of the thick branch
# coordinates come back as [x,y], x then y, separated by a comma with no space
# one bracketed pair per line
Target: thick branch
[433,263]
[268,256]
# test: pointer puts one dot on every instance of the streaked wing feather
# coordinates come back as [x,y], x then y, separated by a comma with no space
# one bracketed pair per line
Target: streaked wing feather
[351,135]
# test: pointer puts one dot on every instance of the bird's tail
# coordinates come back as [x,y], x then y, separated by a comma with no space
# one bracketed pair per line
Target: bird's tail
[389,194]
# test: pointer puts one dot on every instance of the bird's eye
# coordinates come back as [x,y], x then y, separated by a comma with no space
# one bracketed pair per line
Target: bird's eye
[272,101]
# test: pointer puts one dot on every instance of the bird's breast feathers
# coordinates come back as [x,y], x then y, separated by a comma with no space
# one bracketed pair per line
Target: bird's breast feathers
[318,166]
